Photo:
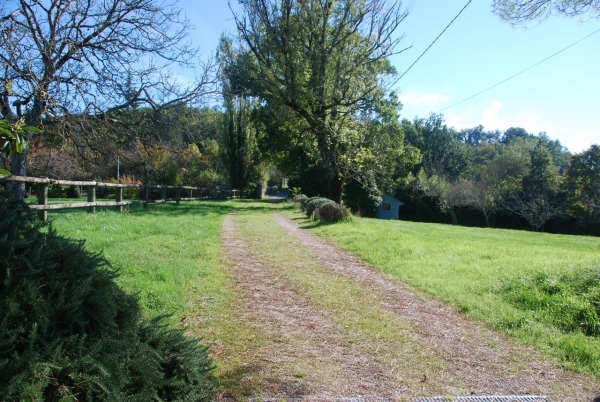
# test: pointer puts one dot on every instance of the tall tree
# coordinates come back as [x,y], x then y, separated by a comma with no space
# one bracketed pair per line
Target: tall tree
[91,57]
[542,175]
[520,12]
[443,154]
[326,60]
[583,184]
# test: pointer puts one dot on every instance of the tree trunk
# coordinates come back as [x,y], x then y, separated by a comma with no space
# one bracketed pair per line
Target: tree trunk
[453,215]
[18,167]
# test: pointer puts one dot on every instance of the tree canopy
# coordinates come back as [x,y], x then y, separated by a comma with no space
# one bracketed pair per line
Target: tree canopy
[67,59]
[520,12]
[326,61]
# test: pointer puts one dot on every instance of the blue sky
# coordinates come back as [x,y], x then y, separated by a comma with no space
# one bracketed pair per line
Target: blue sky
[560,96]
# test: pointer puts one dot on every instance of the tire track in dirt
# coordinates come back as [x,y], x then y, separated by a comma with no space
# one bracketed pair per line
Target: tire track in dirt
[307,355]
[489,362]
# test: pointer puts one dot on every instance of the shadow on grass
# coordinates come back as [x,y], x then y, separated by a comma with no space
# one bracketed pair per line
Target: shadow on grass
[205,207]
[202,207]
[248,381]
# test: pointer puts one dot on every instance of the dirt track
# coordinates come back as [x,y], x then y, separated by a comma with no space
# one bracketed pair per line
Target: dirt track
[311,356]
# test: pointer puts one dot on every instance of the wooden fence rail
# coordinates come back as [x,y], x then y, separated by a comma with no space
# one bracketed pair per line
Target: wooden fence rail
[42,194]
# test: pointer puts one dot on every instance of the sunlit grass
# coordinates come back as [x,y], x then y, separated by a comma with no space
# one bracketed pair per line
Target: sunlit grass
[168,254]
[471,267]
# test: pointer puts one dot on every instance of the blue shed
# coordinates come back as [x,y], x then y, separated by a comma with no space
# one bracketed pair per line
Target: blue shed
[389,208]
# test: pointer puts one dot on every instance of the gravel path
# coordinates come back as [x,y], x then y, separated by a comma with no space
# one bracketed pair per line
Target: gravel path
[309,357]
[490,362]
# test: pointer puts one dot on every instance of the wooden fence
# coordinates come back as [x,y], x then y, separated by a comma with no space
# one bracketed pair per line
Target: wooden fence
[193,193]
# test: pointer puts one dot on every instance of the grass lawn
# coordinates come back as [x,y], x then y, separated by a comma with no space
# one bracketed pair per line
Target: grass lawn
[488,274]
[168,254]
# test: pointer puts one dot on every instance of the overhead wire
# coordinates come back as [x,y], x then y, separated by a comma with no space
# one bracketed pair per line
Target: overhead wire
[435,40]
[520,72]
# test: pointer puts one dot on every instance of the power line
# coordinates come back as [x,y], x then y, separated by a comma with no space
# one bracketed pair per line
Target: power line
[435,40]
[520,72]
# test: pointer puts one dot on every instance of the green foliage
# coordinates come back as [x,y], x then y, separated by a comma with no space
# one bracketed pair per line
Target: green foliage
[542,175]
[583,184]
[300,198]
[443,154]
[331,212]
[58,191]
[313,181]
[69,332]
[312,204]
[569,301]
[304,202]
[331,79]
[361,200]
[296,191]
[13,136]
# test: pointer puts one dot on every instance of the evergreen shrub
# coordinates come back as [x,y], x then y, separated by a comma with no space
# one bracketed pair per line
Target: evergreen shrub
[57,191]
[331,212]
[299,198]
[313,203]
[305,201]
[68,332]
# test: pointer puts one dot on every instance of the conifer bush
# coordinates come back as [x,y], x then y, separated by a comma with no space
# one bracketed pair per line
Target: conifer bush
[305,201]
[313,203]
[68,332]
[331,212]
[299,198]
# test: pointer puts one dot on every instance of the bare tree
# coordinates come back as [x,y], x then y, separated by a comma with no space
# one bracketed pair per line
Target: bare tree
[449,195]
[536,206]
[519,12]
[61,59]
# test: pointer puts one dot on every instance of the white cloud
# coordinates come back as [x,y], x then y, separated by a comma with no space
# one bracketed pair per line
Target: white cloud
[496,117]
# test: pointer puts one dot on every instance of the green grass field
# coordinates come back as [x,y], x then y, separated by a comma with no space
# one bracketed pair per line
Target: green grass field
[533,286]
[168,254]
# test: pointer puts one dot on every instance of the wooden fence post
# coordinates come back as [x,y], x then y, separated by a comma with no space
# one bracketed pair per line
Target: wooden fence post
[178,194]
[120,198]
[163,193]
[42,193]
[91,197]
[146,196]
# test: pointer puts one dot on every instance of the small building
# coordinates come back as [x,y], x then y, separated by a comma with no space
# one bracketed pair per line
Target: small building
[389,208]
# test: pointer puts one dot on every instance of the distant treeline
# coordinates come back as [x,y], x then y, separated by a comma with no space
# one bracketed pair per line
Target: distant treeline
[511,179]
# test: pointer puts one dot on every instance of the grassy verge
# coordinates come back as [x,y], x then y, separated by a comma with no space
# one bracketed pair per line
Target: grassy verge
[168,254]
[477,270]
